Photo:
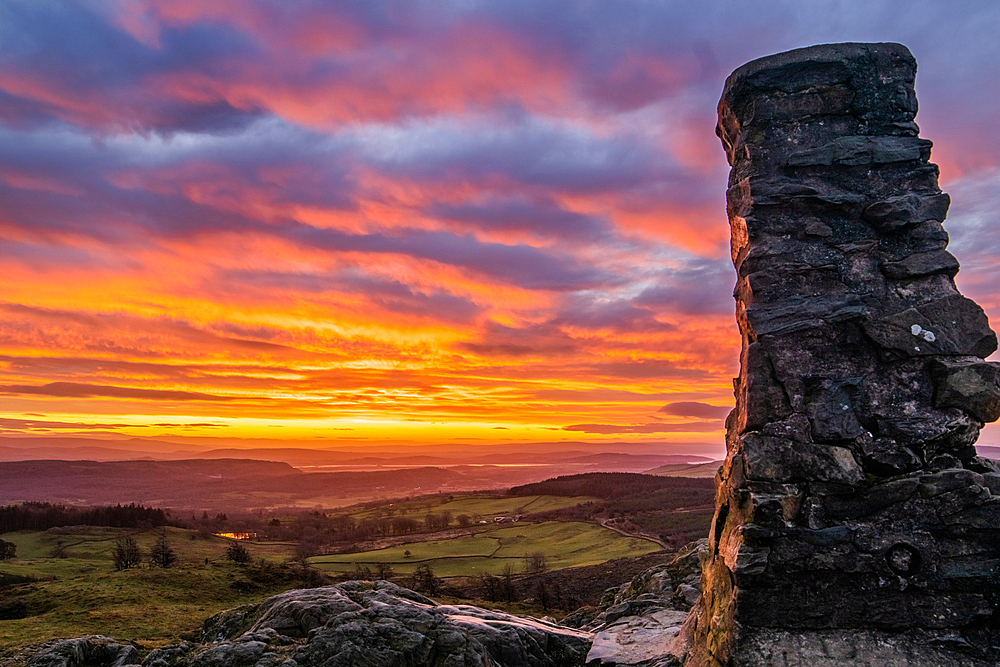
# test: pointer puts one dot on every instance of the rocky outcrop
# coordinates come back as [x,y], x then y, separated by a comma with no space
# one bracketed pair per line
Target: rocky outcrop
[354,624]
[85,651]
[854,523]
[638,623]
[357,624]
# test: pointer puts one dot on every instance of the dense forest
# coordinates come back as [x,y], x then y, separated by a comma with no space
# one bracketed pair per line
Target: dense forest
[42,516]
[318,532]
[615,485]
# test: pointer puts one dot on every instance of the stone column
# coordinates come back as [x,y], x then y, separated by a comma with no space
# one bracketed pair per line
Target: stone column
[854,523]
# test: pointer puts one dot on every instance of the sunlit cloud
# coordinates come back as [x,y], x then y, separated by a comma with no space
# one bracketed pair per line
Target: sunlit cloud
[605,429]
[408,221]
[79,390]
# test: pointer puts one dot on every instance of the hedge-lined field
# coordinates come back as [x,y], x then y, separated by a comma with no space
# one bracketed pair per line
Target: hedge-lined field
[489,548]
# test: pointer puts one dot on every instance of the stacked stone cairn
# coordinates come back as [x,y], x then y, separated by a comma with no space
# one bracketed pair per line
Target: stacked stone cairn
[855,524]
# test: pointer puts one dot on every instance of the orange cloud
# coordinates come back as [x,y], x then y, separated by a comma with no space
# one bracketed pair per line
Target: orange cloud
[389,222]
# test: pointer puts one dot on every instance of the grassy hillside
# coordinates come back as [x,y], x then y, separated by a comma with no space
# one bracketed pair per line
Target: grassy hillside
[706,470]
[475,506]
[76,590]
[677,510]
[489,549]
[79,592]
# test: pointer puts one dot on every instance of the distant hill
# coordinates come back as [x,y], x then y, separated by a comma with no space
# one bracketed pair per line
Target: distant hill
[92,449]
[164,483]
[201,483]
[676,509]
[607,485]
[636,460]
[305,457]
[988,451]
[687,470]
[301,456]
[65,448]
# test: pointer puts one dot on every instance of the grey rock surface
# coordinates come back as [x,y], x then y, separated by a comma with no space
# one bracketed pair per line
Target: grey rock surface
[85,652]
[855,524]
[354,624]
[968,383]
[777,648]
[638,640]
[639,622]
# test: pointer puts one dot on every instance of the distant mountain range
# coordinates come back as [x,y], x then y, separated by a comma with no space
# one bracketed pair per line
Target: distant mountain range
[988,451]
[69,470]
[206,484]
[241,485]
[84,449]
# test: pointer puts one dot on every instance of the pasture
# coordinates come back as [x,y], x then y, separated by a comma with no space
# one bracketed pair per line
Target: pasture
[487,549]
[475,506]
[79,592]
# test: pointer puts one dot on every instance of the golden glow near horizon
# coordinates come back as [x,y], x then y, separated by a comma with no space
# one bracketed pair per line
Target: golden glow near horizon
[151,363]
[274,221]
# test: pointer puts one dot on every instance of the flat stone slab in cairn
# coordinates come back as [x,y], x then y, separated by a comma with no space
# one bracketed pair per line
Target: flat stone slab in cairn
[855,524]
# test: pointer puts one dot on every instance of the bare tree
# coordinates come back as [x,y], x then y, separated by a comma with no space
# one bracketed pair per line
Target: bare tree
[383,571]
[424,580]
[126,553]
[491,587]
[535,563]
[161,555]
[507,583]
[238,553]
[542,594]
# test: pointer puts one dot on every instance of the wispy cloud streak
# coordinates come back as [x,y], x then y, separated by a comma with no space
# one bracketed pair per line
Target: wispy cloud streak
[412,220]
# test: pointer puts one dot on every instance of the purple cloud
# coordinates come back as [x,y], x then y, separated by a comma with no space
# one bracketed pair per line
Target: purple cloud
[390,295]
[695,409]
[543,218]
[79,390]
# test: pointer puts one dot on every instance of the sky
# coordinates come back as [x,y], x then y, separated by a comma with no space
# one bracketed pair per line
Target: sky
[411,222]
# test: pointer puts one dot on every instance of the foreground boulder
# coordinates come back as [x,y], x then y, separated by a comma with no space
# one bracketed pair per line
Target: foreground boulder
[639,623]
[354,624]
[86,651]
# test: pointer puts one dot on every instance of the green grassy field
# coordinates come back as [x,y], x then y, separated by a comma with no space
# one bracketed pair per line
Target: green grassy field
[565,544]
[81,593]
[78,591]
[476,507]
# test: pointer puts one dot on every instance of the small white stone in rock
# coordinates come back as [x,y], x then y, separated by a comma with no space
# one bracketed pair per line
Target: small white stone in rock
[916,329]
[929,336]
